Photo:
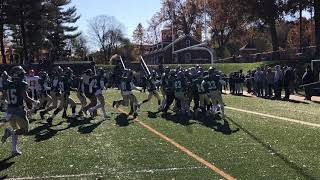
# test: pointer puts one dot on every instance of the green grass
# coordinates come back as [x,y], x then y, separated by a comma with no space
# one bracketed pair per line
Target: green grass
[245,146]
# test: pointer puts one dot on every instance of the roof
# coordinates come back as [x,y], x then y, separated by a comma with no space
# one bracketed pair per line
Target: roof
[170,45]
[248,46]
[179,39]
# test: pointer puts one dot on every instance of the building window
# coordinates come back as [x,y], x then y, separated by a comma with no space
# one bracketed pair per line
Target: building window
[160,59]
[187,43]
[187,58]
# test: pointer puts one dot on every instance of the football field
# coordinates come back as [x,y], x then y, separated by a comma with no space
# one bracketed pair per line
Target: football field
[259,139]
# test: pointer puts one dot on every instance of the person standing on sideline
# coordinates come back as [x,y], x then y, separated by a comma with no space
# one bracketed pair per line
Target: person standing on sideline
[270,83]
[278,79]
[306,79]
[258,78]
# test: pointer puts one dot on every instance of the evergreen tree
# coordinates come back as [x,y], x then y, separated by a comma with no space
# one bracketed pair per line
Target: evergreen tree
[59,26]
[3,21]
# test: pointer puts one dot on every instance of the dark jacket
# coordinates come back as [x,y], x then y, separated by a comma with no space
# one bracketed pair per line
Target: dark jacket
[308,77]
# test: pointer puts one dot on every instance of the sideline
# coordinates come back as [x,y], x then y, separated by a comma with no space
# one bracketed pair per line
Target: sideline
[274,117]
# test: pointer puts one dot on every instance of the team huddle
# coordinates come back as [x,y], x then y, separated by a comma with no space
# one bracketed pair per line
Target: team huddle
[50,93]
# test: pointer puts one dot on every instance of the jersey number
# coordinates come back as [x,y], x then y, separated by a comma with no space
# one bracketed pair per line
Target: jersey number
[12,94]
[178,85]
[33,83]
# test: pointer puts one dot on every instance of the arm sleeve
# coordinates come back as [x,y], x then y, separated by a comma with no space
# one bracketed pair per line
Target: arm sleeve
[102,85]
[46,87]
[82,87]
[91,86]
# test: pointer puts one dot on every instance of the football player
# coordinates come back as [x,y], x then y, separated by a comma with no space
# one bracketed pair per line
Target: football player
[164,82]
[55,91]
[169,90]
[80,95]
[65,87]
[152,83]
[33,85]
[126,87]
[44,90]
[15,92]
[3,81]
[87,79]
[181,91]
[96,87]
[215,93]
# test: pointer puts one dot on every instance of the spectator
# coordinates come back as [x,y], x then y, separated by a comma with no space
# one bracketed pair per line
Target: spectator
[307,79]
[288,82]
[258,78]
[278,79]
[237,83]
[249,82]
[254,84]
[232,83]
[270,83]
[264,81]
[242,79]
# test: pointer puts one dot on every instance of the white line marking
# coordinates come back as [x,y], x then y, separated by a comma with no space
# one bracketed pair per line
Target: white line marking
[111,172]
[275,117]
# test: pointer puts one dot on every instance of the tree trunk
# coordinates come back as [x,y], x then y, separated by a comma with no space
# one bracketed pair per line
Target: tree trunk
[300,14]
[317,26]
[105,54]
[3,53]
[275,41]
[23,34]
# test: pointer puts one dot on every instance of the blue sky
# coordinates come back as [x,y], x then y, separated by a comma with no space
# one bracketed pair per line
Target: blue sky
[128,12]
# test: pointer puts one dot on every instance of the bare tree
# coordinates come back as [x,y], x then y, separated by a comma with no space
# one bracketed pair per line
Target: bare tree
[153,29]
[106,32]
[139,37]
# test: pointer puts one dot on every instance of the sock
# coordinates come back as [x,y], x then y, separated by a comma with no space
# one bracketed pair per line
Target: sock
[134,107]
[14,141]
[163,104]
[103,111]
[81,109]
[222,109]
[73,110]
[55,113]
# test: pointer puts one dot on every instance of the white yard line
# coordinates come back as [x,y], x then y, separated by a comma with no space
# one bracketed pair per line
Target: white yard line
[111,172]
[275,117]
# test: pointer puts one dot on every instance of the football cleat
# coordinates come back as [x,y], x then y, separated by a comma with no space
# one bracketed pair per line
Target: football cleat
[16,153]
[114,104]
[49,120]
[42,113]
[64,115]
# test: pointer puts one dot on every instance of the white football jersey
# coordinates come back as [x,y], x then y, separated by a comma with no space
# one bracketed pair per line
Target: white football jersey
[33,82]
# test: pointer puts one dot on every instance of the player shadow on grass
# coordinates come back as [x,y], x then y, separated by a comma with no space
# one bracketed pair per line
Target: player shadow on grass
[90,127]
[42,132]
[45,132]
[269,148]
[4,164]
[123,120]
[178,118]
[218,124]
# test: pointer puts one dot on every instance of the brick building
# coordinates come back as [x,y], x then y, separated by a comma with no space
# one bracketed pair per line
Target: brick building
[184,50]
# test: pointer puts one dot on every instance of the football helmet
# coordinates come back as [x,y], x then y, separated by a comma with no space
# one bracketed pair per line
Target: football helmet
[18,72]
